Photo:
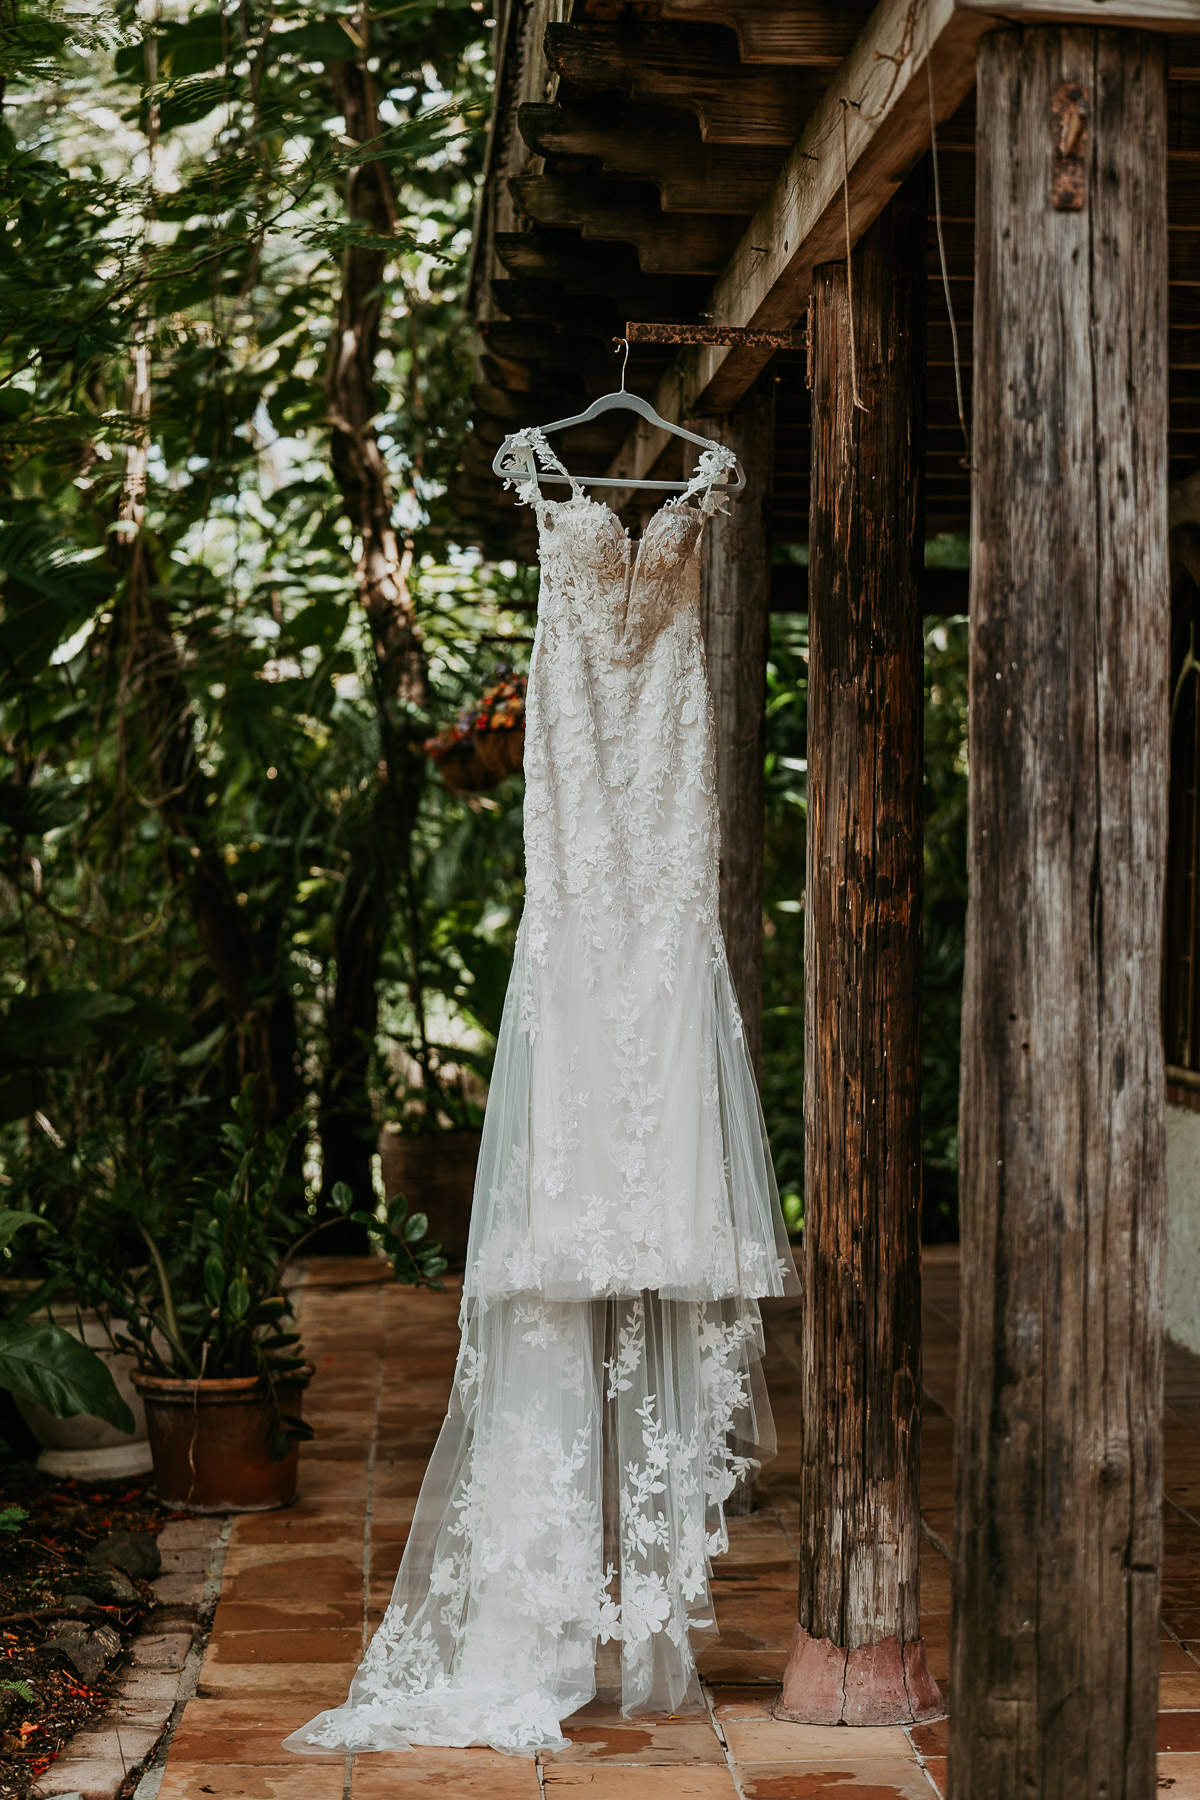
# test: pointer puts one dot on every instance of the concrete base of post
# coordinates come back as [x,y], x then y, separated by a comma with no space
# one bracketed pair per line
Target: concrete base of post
[873,1684]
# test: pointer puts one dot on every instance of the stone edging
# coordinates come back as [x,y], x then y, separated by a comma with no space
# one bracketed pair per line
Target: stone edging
[102,1762]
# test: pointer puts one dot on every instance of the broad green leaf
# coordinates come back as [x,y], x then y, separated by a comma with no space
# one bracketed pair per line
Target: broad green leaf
[320,624]
[416,1227]
[214,1277]
[49,1029]
[49,589]
[325,40]
[46,1364]
[33,811]
[11,1221]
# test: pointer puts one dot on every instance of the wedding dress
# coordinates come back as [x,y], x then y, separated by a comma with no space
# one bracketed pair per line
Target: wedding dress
[607,1397]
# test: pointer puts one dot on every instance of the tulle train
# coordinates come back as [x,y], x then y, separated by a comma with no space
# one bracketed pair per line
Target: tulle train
[575,1496]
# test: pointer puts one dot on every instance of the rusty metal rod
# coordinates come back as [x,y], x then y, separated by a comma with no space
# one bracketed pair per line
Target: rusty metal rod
[733,336]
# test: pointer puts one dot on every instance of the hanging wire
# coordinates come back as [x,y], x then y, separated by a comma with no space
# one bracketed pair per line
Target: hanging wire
[941,242]
[854,393]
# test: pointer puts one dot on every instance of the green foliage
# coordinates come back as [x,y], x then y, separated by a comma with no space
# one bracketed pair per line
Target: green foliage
[203,1298]
[399,1234]
[40,1361]
[783,900]
[191,723]
[945,914]
[11,1519]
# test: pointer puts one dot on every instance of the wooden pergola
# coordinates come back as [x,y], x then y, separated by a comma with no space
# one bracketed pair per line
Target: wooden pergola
[766,167]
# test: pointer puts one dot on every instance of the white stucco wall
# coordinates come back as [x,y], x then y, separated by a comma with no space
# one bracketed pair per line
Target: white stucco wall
[1183,1227]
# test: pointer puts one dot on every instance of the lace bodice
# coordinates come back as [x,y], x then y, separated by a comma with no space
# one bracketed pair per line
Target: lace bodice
[622,964]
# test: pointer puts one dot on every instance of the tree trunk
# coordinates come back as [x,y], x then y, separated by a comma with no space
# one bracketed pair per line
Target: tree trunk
[1058,1466]
[735,616]
[249,965]
[858,1656]
[377,873]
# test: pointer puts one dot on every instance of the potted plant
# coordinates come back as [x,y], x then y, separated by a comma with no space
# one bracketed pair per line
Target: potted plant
[208,1315]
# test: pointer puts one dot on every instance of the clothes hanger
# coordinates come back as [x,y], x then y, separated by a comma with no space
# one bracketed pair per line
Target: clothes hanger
[517,461]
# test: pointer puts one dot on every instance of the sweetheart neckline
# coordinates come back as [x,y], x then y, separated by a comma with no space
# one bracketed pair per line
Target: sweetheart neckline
[678,503]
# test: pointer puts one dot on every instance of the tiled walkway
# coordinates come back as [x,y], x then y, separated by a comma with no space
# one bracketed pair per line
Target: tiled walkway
[303,1587]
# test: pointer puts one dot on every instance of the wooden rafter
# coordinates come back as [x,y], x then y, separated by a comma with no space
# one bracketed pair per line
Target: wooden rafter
[696,69]
[666,243]
[808,33]
[580,267]
[869,128]
[665,148]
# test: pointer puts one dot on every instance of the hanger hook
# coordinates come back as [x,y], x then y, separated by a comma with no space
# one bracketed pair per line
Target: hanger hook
[622,349]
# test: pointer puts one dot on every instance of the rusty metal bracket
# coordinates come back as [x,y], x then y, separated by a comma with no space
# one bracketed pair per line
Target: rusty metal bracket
[737,337]
[1070,109]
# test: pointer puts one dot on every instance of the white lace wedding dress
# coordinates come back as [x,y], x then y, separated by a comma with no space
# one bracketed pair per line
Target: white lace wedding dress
[607,1397]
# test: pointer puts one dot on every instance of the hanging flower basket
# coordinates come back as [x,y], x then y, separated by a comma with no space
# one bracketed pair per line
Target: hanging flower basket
[486,743]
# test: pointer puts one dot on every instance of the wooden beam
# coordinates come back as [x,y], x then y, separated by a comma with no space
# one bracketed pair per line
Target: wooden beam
[628,211]
[801,222]
[858,1657]
[1153,15]
[532,301]
[694,68]
[590,267]
[809,33]
[1058,1469]
[533,344]
[665,148]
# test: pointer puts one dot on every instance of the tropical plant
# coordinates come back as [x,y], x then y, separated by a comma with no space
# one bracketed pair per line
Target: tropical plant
[207,1298]
[213,666]
[43,1362]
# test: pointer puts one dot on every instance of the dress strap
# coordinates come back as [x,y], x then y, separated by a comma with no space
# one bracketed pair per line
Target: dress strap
[713,463]
[532,439]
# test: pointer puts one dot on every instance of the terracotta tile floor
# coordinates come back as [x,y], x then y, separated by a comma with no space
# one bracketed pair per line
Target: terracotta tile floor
[302,1586]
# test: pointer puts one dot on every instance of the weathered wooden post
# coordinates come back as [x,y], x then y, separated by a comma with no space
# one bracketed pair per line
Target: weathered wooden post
[858,1656]
[735,617]
[1057,1544]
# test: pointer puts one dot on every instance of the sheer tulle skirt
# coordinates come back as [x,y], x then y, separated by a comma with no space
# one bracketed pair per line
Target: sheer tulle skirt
[608,1394]
[624,1147]
[522,1558]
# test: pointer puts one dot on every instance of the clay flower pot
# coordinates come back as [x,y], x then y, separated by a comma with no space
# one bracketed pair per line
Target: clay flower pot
[211,1446]
[435,1171]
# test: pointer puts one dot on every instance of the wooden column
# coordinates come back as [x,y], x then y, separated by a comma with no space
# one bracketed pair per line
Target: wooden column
[858,1656]
[1058,1462]
[735,613]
